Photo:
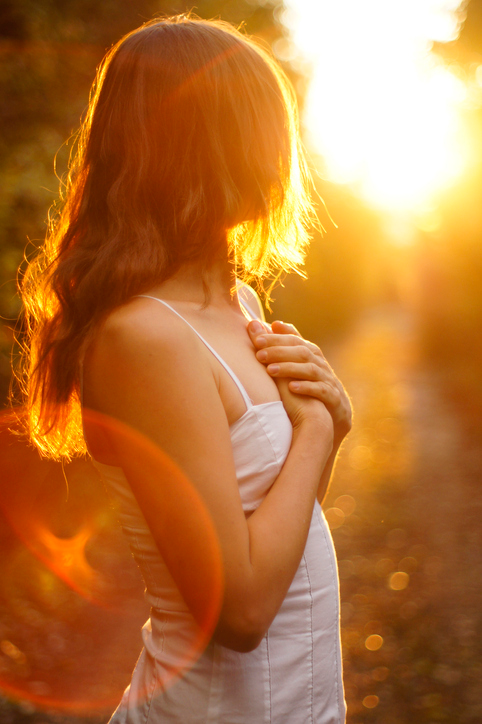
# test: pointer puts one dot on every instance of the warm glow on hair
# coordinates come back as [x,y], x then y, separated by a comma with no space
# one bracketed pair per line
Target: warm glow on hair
[190,141]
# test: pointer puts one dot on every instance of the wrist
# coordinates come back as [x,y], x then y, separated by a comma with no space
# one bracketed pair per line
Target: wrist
[315,429]
[340,432]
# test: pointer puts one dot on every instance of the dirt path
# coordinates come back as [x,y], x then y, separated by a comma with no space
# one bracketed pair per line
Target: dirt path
[405,509]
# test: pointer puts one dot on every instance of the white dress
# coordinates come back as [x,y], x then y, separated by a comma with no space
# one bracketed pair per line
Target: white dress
[295,675]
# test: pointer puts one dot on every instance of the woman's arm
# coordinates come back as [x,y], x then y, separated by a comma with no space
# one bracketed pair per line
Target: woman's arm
[288,356]
[143,374]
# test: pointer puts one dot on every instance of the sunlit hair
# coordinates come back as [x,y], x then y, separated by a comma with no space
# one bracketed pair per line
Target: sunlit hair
[190,142]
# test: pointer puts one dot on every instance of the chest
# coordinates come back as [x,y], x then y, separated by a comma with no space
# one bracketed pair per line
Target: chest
[230,340]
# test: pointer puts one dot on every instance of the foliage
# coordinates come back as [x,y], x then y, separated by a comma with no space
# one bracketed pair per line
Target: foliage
[49,50]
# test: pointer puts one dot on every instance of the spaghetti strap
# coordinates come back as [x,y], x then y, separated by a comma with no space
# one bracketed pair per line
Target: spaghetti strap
[246,309]
[252,315]
[228,369]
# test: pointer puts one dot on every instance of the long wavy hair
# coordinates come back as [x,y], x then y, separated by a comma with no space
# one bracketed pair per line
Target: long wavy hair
[190,142]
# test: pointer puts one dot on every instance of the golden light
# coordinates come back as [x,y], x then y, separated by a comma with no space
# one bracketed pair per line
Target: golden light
[360,457]
[335,517]
[374,642]
[371,701]
[384,566]
[380,673]
[345,503]
[408,564]
[398,581]
[384,112]
[66,558]
[12,651]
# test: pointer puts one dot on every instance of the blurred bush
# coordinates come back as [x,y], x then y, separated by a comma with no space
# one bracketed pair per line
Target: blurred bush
[49,50]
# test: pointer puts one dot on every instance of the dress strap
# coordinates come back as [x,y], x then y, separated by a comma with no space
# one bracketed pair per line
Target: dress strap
[228,369]
[246,308]
[244,299]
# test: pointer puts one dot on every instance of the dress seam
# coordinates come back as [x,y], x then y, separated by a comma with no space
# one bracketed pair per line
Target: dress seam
[148,712]
[311,635]
[138,556]
[269,676]
[337,627]
[157,683]
[210,691]
[277,462]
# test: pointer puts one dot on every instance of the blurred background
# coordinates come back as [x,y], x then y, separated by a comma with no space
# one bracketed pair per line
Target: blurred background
[391,104]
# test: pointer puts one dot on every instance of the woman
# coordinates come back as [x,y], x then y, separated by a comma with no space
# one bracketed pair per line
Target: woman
[189,173]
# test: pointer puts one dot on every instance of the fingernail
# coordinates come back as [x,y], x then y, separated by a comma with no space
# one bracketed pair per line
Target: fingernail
[262,355]
[295,385]
[273,369]
[261,341]
[255,327]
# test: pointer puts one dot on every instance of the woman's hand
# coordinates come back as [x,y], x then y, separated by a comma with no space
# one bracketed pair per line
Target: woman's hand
[287,355]
[306,410]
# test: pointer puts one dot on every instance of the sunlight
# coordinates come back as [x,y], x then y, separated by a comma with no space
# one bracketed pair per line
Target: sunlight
[66,558]
[382,110]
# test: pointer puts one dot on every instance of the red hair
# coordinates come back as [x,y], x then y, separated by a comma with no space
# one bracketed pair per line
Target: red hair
[190,142]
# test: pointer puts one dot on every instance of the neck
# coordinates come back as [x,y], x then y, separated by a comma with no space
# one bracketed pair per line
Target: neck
[186,285]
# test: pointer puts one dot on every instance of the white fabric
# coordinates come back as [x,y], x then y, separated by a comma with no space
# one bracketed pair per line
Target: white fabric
[294,676]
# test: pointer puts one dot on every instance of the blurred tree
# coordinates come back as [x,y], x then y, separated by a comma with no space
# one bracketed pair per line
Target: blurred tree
[450,269]
[49,50]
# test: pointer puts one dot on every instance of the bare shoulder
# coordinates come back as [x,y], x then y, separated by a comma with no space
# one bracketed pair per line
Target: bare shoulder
[144,353]
[143,324]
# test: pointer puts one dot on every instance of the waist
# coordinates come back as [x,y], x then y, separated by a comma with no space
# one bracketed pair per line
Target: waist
[316,571]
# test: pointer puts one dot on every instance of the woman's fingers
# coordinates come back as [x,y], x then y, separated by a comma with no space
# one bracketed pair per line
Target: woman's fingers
[288,356]
[335,400]
[299,371]
[278,335]
[284,328]
[263,341]
[275,340]
[298,353]
[256,327]
[322,390]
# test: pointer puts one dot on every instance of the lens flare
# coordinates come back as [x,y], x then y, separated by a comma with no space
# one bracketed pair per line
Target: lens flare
[177,493]
[33,493]
[71,597]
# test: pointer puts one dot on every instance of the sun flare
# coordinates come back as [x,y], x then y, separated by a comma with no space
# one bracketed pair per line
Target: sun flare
[383,111]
